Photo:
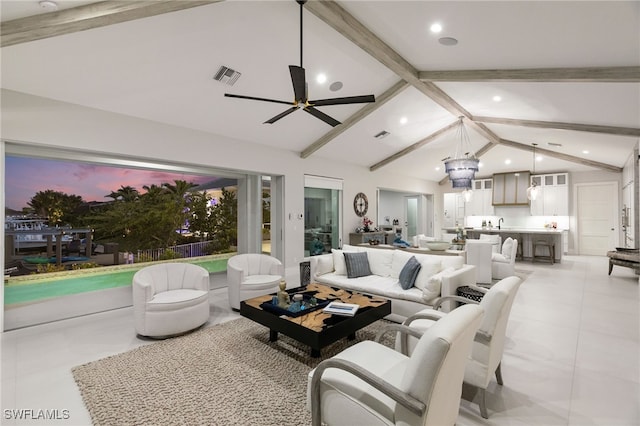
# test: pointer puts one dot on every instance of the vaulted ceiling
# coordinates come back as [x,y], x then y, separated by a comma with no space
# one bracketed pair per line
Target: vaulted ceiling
[567,75]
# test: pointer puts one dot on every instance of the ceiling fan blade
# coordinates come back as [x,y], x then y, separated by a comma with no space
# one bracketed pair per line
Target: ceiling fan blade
[322,116]
[279,116]
[253,98]
[346,100]
[299,83]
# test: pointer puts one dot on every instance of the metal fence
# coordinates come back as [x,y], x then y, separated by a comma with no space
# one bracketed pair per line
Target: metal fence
[182,250]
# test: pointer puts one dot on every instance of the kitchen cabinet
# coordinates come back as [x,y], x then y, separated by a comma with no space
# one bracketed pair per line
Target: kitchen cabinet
[510,189]
[481,203]
[553,199]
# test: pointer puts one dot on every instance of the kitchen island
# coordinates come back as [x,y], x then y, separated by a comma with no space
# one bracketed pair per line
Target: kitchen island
[525,236]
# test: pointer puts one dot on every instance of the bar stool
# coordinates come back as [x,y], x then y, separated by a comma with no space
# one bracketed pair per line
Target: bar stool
[549,246]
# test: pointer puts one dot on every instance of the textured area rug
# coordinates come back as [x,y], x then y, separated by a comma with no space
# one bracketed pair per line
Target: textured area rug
[227,374]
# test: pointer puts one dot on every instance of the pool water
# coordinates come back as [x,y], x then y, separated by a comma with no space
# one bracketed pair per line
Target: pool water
[42,287]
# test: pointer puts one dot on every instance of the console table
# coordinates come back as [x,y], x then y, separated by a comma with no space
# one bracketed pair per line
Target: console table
[356,238]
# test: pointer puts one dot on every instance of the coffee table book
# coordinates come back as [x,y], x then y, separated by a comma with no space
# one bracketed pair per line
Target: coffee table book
[344,309]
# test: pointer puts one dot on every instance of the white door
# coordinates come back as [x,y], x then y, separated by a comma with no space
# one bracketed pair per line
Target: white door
[411,217]
[596,208]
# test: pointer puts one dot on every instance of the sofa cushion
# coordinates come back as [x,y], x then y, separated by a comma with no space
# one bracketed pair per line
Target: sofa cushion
[434,285]
[324,264]
[430,265]
[507,247]
[357,264]
[380,261]
[498,257]
[386,287]
[455,262]
[398,261]
[409,273]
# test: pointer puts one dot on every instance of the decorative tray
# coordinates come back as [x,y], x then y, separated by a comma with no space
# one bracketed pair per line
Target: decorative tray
[629,250]
[305,308]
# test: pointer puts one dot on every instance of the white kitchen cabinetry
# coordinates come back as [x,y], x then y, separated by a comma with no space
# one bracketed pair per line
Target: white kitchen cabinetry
[553,199]
[481,201]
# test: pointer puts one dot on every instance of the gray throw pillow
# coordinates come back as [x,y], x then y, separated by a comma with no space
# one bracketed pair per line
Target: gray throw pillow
[357,264]
[409,273]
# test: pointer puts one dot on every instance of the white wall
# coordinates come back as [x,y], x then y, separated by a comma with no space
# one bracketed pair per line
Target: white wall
[38,121]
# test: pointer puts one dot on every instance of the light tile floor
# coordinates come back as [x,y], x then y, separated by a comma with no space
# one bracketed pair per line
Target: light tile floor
[571,358]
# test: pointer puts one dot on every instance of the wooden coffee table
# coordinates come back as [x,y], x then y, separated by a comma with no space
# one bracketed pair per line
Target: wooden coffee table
[318,329]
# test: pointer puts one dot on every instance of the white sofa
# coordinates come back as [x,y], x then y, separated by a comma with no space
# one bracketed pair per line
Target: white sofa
[438,275]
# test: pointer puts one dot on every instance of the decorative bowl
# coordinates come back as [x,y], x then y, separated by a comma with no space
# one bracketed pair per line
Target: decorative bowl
[438,245]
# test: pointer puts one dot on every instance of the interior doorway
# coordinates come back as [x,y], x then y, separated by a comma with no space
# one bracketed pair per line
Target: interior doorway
[596,217]
[411,216]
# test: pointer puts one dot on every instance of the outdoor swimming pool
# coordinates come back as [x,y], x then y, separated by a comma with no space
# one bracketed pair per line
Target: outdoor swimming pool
[31,288]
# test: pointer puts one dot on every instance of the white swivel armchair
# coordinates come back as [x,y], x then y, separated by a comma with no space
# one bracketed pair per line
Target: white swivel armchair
[503,264]
[371,384]
[170,299]
[251,275]
[488,345]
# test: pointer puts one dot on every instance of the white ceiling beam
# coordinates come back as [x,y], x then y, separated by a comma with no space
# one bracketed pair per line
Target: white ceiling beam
[593,128]
[355,118]
[86,17]
[592,74]
[560,156]
[344,23]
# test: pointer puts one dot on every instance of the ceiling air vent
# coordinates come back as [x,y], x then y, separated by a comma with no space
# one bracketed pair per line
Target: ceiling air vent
[227,75]
[382,134]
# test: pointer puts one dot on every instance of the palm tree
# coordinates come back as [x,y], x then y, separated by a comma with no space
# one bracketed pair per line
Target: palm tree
[125,193]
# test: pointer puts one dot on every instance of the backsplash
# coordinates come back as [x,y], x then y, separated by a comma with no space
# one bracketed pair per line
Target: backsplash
[515,217]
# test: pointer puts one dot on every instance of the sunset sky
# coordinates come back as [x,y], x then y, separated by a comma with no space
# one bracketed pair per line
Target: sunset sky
[26,176]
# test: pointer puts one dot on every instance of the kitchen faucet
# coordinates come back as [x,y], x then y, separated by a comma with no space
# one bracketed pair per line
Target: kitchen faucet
[500,220]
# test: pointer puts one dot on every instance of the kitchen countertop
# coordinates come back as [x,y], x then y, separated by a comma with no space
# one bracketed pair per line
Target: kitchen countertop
[512,230]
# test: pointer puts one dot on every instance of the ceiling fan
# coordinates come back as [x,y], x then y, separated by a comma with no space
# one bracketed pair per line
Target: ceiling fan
[301,99]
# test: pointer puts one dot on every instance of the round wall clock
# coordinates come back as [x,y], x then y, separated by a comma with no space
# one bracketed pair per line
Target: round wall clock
[360,204]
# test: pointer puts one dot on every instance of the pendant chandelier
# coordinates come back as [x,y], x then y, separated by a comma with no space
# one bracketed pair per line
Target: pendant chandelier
[462,168]
[533,190]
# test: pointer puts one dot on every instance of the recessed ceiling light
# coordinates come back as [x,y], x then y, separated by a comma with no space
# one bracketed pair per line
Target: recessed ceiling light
[404,120]
[321,78]
[448,41]
[497,98]
[480,164]
[437,169]
[507,161]
[436,28]
[585,152]
[539,157]
[335,86]
[48,4]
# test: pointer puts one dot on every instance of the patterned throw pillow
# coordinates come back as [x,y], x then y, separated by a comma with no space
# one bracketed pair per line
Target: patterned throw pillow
[409,273]
[357,264]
